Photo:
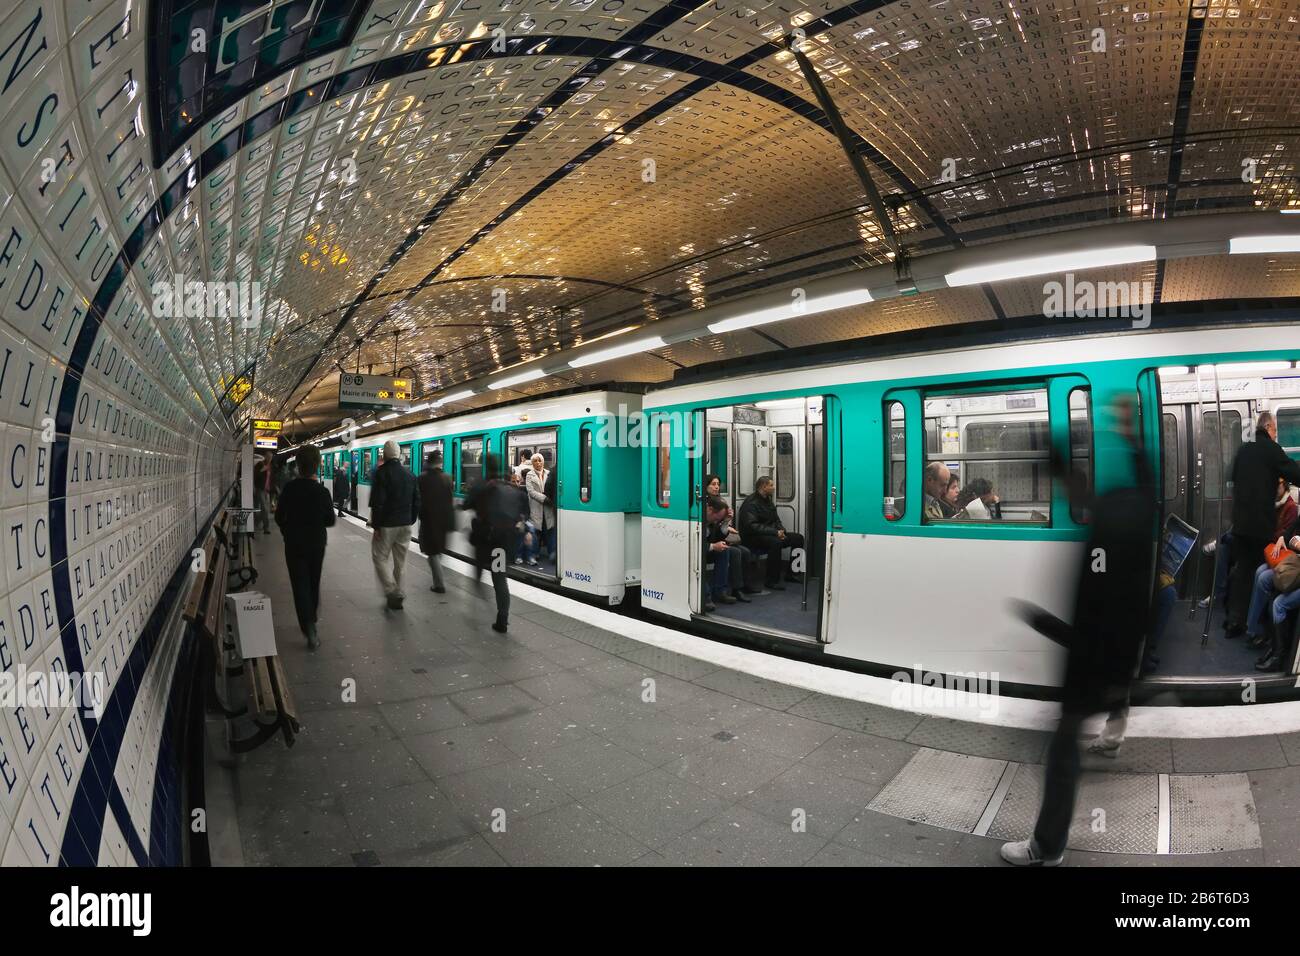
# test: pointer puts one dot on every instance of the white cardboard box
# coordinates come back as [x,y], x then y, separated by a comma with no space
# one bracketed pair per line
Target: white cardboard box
[250,614]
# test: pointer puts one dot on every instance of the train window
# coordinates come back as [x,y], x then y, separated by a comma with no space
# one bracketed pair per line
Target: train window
[998,442]
[584,464]
[1081,446]
[895,461]
[718,456]
[471,462]
[785,489]
[1288,430]
[430,448]
[1227,444]
[663,450]
[406,455]
[1170,455]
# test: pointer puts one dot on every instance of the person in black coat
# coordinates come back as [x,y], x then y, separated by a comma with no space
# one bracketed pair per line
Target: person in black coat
[761,530]
[352,491]
[303,513]
[499,513]
[341,489]
[1112,610]
[437,516]
[1255,472]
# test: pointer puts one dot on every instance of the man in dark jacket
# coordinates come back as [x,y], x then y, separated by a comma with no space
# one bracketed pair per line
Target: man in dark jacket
[1111,612]
[394,506]
[761,530]
[303,513]
[1258,466]
[341,489]
[499,513]
[437,516]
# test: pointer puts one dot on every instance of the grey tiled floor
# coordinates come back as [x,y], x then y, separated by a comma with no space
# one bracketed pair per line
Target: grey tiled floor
[548,746]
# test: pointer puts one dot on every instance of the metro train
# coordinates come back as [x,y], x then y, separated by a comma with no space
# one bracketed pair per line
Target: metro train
[884,588]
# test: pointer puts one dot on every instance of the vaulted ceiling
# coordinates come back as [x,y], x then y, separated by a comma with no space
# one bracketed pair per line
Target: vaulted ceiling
[468,185]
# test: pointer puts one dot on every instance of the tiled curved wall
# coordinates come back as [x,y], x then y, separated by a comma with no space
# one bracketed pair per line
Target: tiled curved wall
[111,461]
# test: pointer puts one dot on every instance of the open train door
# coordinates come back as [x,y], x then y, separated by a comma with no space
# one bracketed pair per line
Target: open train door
[694,440]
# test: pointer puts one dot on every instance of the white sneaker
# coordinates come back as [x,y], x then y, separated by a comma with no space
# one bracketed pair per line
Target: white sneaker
[1025,853]
[519,560]
[1203,602]
[1210,547]
[532,562]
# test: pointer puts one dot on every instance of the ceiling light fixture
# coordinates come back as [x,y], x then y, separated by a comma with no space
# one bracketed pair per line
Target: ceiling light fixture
[1076,260]
[617,351]
[517,379]
[792,310]
[388,417]
[453,397]
[1253,244]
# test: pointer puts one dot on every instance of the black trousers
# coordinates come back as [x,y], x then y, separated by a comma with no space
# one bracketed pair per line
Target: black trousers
[1247,555]
[773,545]
[304,578]
[1060,786]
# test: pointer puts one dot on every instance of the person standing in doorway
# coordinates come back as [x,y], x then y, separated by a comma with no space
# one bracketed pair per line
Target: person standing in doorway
[1255,473]
[499,511]
[303,513]
[262,492]
[394,506]
[352,490]
[437,516]
[540,511]
[341,489]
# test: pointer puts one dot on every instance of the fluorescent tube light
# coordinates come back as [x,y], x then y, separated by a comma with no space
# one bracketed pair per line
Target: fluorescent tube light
[790,310]
[781,403]
[1077,260]
[373,421]
[616,351]
[454,397]
[1172,370]
[388,417]
[518,379]
[1249,244]
[419,408]
[1251,368]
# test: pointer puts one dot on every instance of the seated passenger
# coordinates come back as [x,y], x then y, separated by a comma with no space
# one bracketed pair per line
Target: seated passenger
[717,552]
[948,503]
[934,482]
[742,560]
[761,530]
[1267,623]
[978,502]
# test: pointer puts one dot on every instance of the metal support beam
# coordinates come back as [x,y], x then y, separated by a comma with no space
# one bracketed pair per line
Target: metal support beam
[842,133]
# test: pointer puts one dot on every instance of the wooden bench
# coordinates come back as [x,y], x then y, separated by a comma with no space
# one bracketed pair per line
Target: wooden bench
[228,554]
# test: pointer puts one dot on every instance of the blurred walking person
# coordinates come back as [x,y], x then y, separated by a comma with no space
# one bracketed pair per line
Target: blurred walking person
[303,513]
[1112,609]
[394,506]
[262,493]
[437,516]
[499,512]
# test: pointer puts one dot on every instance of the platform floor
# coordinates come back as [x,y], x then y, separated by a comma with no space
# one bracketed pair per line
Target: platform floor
[562,743]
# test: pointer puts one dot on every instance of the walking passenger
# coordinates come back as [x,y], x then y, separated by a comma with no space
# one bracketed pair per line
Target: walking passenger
[437,516]
[761,530]
[1111,613]
[303,513]
[394,506]
[499,510]
[262,493]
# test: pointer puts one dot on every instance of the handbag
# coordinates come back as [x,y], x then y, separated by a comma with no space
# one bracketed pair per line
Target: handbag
[1286,576]
[1275,552]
